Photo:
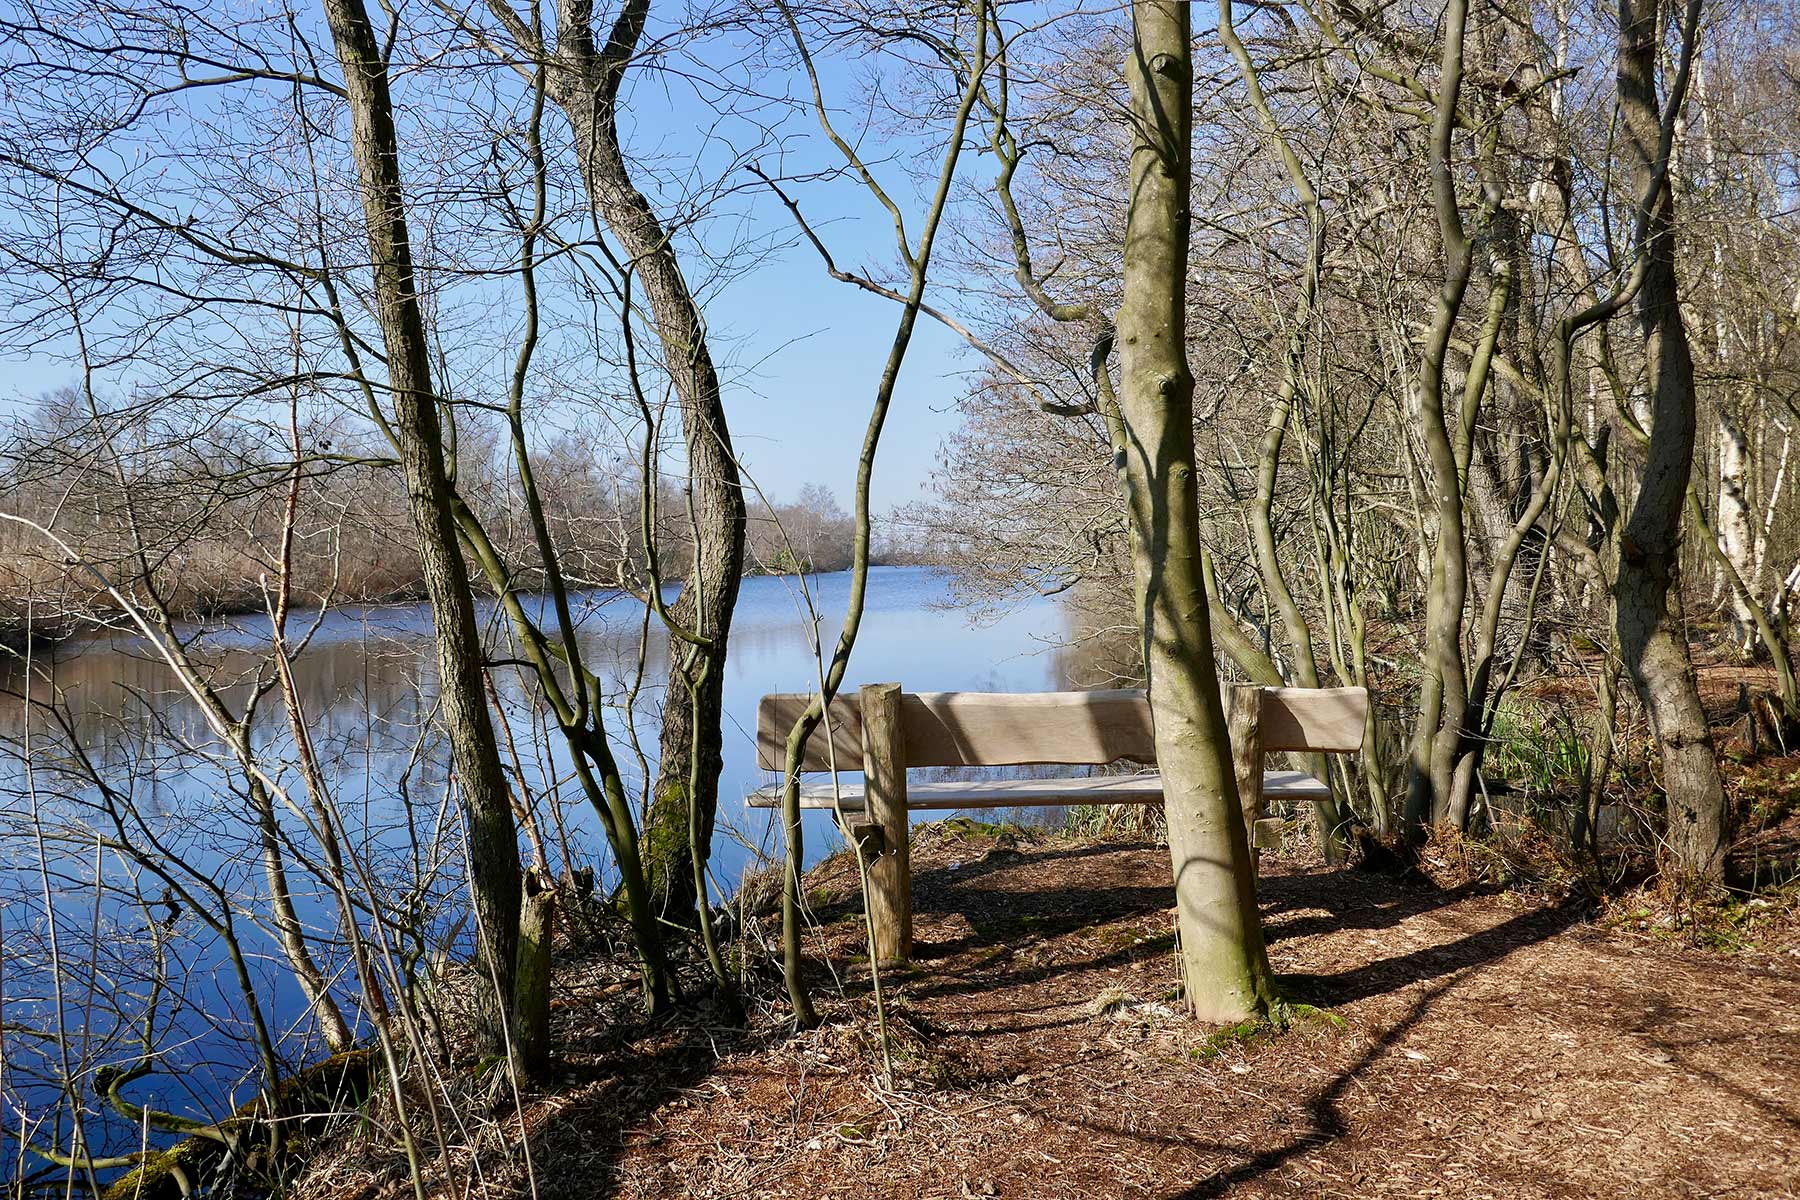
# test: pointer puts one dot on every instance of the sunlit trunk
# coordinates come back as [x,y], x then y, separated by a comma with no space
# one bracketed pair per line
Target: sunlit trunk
[1651,626]
[1224,965]
[686,792]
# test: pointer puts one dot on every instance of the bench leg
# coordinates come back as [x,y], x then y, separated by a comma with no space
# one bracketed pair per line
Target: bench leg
[1243,715]
[884,773]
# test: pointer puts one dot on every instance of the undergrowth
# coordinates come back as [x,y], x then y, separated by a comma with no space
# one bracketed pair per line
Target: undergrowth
[1716,920]
[1623,890]
[1524,857]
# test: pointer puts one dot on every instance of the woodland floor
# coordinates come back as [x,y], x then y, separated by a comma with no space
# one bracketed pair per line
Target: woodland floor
[1478,1043]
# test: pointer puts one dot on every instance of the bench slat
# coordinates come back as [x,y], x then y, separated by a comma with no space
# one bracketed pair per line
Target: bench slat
[977,729]
[1033,793]
[775,716]
[1319,719]
[998,729]
[1011,729]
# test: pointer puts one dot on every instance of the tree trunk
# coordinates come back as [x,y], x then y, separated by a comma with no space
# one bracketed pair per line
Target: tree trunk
[1737,533]
[1224,964]
[1328,819]
[587,89]
[537,932]
[333,1029]
[1602,737]
[1651,630]
[492,841]
[1444,687]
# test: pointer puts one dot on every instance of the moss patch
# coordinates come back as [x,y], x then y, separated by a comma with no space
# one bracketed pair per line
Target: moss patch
[320,1091]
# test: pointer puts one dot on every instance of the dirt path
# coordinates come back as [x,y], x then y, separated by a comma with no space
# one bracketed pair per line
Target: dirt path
[1479,1045]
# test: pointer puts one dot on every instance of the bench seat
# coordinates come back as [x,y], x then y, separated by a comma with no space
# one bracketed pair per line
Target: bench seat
[882,731]
[1032,793]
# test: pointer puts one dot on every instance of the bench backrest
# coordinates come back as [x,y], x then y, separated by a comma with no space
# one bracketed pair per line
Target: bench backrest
[1002,729]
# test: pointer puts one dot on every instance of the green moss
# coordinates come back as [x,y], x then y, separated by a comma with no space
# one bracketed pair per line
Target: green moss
[320,1090]
[1283,1017]
[664,847]
[163,1173]
[344,1076]
[824,897]
[1291,1014]
[968,827]
[1245,1033]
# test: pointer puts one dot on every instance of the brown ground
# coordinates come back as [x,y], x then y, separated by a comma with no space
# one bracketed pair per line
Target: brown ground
[1478,1044]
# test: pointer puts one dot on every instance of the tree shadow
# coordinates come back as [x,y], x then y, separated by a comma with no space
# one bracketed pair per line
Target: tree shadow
[627,1070]
[1661,1027]
[1431,962]
[1332,902]
[1001,921]
[617,1071]
[1327,1122]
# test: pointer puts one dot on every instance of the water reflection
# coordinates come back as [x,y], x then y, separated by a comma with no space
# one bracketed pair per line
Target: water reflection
[366,680]
[111,750]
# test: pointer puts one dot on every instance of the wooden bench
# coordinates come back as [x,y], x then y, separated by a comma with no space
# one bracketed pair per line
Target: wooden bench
[881,731]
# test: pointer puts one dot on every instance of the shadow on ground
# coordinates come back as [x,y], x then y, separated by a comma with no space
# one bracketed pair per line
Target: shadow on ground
[985,972]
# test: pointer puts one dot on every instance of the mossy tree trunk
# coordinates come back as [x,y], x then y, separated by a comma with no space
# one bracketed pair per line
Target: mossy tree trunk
[1224,965]
[585,84]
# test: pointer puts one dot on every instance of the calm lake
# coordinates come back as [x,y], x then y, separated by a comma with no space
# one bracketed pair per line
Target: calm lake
[366,681]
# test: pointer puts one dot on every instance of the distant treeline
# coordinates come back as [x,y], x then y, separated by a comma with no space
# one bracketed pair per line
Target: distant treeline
[192,505]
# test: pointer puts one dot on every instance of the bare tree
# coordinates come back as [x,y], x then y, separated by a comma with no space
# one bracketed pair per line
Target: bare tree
[1652,630]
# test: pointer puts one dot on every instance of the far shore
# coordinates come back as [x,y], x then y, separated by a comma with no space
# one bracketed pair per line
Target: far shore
[18,631]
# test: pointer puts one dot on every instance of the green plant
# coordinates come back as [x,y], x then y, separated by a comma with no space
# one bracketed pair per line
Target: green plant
[1535,746]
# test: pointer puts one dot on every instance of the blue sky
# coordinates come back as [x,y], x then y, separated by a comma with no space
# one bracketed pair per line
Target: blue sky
[801,353]
[812,351]
[812,348]
[798,416]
